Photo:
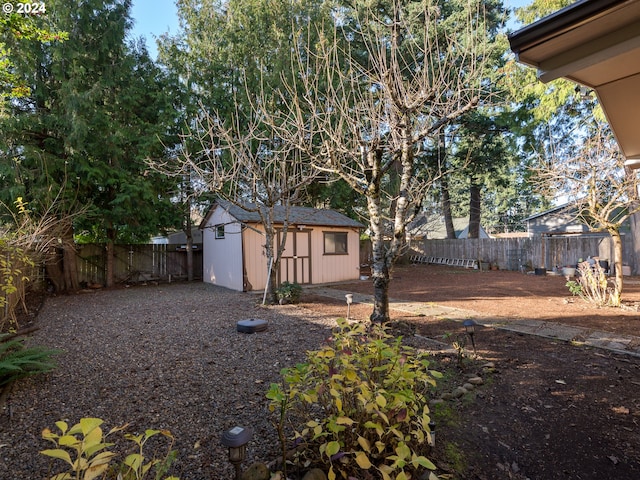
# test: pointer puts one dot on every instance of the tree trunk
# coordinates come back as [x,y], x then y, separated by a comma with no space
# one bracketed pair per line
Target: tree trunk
[617,256]
[380,274]
[54,269]
[379,268]
[69,263]
[635,236]
[446,208]
[61,265]
[444,186]
[384,257]
[187,229]
[189,257]
[110,251]
[271,294]
[188,233]
[474,209]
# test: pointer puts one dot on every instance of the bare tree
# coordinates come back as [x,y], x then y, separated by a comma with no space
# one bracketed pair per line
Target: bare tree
[243,161]
[605,192]
[27,241]
[367,101]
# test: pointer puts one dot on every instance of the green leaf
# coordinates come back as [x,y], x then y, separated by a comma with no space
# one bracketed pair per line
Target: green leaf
[333,447]
[92,440]
[89,424]
[423,462]
[68,441]
[90,451]
[403,451]
[134,461]
[58,453]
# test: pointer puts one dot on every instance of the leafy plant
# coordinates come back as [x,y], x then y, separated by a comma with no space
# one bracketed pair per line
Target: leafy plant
[288,292]
[574,287]
[18,361]
[360,403]
[93,459]
[14,260]
[593,286]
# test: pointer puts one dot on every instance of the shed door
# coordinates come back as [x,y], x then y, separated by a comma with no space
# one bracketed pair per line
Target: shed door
[295,264]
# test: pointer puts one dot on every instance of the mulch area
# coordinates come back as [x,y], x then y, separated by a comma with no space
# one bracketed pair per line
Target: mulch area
[551,410]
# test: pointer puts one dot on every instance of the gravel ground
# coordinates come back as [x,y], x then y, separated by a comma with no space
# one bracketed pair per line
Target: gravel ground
[166,357]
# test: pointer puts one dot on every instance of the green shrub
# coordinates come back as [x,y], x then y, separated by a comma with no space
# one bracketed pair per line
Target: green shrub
[18,361]
[359,403]
[89,446]
[288,292]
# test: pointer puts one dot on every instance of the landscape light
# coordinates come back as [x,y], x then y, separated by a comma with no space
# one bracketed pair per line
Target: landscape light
[432,430]
[349,297]
[236,440]
[470,328]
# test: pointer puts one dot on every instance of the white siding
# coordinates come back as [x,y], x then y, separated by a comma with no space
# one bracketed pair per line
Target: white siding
[222,257]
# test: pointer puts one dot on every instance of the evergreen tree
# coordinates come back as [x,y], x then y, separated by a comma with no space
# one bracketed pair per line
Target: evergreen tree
[98,110]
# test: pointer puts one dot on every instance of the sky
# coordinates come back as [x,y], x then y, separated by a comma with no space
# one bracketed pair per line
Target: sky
[154,17]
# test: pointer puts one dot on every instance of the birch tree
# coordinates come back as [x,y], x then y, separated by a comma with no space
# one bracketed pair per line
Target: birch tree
[369,99]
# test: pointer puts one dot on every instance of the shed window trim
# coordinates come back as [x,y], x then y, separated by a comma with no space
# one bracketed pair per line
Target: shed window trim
[219,231]
[335,243]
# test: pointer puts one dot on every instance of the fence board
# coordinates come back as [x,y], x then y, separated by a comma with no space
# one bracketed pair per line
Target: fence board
[532,252]
[136,263]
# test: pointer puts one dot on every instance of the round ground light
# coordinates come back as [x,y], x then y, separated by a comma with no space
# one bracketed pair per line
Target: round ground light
[252,325]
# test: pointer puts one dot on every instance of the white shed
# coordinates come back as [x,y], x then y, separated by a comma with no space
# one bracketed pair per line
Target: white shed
[322,246]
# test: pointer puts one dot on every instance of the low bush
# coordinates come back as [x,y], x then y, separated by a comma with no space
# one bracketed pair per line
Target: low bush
[360,403]
[288,292]
[18,361]
[85,450]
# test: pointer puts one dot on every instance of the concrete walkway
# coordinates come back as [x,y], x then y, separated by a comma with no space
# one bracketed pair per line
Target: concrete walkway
[626,344]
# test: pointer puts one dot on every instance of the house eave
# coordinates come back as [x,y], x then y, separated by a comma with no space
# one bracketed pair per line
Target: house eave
[558,23]
[595,43]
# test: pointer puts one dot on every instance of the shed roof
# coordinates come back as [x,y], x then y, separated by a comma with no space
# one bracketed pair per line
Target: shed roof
[595,43]
[297,215]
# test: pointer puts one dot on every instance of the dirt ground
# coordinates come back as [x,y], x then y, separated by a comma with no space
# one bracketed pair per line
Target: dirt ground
[551,410]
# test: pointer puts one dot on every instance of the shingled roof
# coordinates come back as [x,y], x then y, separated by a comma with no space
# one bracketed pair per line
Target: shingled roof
[297,215]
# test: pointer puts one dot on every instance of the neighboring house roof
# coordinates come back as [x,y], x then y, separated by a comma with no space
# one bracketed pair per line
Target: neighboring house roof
[559,208]
[433,227]
[178,238]
[297,215]
[595,43]
[567,219]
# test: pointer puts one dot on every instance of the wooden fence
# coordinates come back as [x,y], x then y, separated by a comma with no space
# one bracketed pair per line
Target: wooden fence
[137,263]
[532,252]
